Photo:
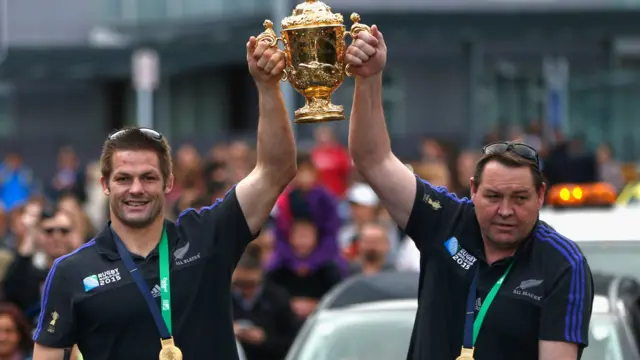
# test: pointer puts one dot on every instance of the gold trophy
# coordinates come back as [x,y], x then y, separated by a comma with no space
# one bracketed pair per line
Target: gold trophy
[314,46]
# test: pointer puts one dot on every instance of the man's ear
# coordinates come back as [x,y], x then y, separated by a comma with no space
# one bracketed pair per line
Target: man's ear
[541,194]
[473,189]
[105,185]
[169,185]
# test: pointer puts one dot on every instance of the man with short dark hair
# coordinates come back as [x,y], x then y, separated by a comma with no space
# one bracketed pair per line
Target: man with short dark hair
[145,286]
[495,282]
[263,320]
[373,250]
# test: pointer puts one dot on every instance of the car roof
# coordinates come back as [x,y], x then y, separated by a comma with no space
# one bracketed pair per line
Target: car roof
[618,223]
[358,310]
[402,304]
[387,285]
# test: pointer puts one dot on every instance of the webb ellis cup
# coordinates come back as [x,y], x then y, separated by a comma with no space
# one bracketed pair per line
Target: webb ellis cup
[314,46]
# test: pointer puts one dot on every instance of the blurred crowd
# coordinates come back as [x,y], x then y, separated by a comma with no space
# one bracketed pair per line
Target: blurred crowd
[327,225]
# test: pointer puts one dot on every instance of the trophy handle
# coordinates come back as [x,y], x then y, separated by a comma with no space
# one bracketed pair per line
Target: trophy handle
[356,28]
[270,36]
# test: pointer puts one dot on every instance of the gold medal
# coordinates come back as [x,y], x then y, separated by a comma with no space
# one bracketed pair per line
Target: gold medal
[465,354]
[169,350]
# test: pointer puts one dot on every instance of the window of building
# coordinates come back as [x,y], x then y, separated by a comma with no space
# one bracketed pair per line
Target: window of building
[393,100]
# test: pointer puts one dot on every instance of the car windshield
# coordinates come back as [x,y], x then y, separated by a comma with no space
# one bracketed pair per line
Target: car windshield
[358,336]
[604,340]
[613,257]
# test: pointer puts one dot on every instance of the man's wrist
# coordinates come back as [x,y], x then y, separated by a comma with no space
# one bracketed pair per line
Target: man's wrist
[375,80]
[268,87]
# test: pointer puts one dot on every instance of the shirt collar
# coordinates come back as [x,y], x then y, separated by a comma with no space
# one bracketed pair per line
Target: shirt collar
[106,244]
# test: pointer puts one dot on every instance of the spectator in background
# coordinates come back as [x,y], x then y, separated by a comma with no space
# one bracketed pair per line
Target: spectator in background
[69,178]
[4,226]
[15,230]
[570,162]
[47,236]
[332,161]
[264,323]
[465,165]
[16,181]
[306,198]
[609,170]
[241,158]
[365,208]
[15,334]
[533,135]
[305,284]
[216,177]
[373,250]
[265,242]
[436,173]
[189,180]
[432,152]
[97,206]
[83,228]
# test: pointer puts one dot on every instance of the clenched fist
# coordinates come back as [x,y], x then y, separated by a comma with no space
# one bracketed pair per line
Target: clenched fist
[367,55]
[265,63]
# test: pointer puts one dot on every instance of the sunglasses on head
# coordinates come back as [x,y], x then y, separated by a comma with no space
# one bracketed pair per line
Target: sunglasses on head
[53,230]
[522,150]
[150,133]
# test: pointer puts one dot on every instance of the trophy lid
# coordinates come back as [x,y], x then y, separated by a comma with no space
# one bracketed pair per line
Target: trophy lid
[311,13]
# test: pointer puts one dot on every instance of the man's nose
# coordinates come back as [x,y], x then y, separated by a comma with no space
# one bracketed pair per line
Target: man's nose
[136,187]
[505,209]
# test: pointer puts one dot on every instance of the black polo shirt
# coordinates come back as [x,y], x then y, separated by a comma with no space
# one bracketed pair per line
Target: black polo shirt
[546,296]
[90,299]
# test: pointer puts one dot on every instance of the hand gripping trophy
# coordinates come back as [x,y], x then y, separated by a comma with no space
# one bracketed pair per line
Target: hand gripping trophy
[314,46]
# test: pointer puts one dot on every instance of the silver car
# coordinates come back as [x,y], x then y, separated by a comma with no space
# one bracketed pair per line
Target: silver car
[381,330]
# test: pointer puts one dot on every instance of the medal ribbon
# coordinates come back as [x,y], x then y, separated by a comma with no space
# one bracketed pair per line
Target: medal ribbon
[471,325]
[163,321]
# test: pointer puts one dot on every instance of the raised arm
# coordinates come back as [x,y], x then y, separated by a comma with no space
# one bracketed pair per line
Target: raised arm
[369,142]
[415,205]
[276,163]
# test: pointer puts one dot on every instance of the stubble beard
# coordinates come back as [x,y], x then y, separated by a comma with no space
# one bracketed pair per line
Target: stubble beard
[138,223]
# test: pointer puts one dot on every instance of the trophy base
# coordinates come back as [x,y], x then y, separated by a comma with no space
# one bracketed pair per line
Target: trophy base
[318,110]
[319,118]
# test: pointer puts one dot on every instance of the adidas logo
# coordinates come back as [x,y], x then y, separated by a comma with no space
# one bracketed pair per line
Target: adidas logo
[155,291]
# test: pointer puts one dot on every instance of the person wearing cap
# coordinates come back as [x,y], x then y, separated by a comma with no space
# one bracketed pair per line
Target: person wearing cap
[495,281]
[146,287]
[365,208]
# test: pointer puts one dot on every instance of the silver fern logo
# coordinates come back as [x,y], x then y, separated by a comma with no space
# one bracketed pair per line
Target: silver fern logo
[529,284]
[181,253]
[530,288]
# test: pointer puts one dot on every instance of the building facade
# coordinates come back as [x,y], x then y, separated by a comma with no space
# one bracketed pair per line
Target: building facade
[454,71]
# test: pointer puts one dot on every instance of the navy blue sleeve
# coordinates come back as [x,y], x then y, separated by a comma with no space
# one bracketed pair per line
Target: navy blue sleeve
[223,224]
[56,326]
[433,210]
[567,306]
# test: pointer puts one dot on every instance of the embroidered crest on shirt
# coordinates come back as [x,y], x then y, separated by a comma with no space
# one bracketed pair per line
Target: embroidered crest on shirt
[526,289]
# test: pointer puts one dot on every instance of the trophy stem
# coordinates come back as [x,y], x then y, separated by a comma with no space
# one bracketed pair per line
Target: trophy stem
[318,108]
